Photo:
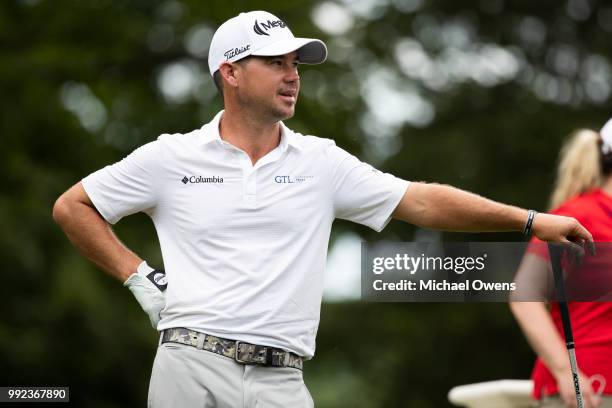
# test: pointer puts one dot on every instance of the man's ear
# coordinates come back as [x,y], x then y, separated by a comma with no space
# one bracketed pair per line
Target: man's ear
[229,72]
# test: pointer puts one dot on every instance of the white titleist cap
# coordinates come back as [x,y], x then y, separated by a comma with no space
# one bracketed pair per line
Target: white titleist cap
[260,33]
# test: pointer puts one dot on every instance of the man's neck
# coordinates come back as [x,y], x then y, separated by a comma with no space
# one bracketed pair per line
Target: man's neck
[255,137]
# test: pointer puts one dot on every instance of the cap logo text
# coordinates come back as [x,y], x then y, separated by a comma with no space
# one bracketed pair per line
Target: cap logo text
[261,28]
[236,51]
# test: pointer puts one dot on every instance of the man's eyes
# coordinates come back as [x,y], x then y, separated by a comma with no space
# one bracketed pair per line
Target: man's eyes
[280,63]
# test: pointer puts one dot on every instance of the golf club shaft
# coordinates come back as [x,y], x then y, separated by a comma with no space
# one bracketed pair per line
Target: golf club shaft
[555,261]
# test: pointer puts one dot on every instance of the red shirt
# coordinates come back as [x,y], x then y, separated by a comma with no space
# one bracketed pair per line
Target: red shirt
[591,321]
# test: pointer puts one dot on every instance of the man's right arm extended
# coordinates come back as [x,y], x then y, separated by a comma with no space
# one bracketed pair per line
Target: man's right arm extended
[94,238]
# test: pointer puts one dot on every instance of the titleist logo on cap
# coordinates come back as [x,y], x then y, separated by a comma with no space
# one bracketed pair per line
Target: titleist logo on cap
[236,51]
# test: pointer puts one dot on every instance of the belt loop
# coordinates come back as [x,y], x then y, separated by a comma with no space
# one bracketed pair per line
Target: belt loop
[200,341]
[269,356]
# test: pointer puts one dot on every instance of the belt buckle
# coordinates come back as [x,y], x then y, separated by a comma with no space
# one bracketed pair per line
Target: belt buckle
[236,356]
[253,357]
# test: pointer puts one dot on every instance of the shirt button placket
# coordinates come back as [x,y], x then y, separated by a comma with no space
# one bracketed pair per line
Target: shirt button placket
[250,181]
[251,187]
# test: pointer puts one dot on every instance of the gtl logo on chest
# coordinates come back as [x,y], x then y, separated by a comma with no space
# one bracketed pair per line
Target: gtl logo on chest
[291,180]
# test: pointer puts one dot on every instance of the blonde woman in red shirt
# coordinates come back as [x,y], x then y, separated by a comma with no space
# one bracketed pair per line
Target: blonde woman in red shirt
[583,190]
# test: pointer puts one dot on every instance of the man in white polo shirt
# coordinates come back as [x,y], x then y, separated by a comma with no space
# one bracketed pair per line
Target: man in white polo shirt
[243,209]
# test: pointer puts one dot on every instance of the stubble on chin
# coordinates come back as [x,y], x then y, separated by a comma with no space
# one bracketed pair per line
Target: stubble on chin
[266,108]
[285,114]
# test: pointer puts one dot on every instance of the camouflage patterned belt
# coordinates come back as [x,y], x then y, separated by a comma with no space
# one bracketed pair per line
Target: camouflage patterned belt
[243,353]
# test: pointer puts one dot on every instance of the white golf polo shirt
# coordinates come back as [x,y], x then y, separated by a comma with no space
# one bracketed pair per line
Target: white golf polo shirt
[245,246]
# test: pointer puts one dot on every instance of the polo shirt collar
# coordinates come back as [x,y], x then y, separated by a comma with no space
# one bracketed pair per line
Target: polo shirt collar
[210,133]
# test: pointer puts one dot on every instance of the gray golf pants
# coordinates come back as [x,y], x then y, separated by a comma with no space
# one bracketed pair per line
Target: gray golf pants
[186,377]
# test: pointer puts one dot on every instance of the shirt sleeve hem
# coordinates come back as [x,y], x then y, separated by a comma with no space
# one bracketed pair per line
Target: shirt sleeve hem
[105,209]
[400,188]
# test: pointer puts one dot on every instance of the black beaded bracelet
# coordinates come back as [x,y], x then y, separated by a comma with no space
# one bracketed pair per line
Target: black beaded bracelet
[530,216]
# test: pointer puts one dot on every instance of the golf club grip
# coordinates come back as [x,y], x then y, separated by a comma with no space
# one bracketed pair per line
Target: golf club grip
[556,251]
[555,261]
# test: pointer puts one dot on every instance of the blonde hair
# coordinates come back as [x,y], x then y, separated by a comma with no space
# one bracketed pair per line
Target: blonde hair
[579,167]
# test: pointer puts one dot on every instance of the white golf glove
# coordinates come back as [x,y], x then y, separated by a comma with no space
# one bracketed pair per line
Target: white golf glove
[148,286]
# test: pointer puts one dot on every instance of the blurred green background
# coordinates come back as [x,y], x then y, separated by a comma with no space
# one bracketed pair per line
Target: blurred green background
[476,94]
